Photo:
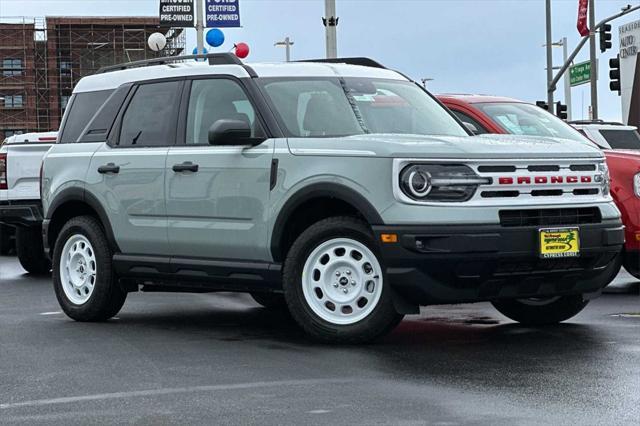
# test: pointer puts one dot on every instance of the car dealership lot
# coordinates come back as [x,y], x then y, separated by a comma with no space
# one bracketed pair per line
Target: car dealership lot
[189,358]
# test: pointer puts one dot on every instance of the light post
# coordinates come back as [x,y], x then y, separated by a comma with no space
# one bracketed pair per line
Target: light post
[567,81]
[286,43]
[425,81]
[330,22]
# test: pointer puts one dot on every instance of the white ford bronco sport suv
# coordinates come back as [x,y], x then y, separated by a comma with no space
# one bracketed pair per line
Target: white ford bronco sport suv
[339,189]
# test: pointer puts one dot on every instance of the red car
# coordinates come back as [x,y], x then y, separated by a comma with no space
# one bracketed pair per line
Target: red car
[490,114]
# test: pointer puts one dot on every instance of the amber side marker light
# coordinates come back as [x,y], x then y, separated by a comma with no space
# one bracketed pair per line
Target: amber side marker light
[637,237]
[389,238]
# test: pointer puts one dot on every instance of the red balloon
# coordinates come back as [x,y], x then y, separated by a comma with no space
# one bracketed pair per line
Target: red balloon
[242,50]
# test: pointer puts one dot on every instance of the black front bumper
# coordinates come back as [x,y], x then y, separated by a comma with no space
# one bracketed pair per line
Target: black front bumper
[21,213]
[457,264]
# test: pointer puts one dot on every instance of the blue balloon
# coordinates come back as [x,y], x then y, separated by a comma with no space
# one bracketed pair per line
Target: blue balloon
[195,52]
[215,37]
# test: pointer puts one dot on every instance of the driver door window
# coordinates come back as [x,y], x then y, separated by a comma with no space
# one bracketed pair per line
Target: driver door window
[217,99]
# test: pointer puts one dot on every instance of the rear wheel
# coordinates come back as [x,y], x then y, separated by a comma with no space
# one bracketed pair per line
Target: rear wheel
[83,278]
[334,284]
[30,250]
[5,239]
[541,311]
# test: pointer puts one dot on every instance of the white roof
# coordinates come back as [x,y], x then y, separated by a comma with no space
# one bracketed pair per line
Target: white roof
[603,126]
[114,79]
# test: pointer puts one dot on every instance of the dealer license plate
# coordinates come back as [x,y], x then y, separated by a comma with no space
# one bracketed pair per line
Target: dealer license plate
[559,242]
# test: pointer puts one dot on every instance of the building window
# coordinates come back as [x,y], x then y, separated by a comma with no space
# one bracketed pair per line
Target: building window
[12,132]
[64,100]
[65,66]
[11,67]
[13,101]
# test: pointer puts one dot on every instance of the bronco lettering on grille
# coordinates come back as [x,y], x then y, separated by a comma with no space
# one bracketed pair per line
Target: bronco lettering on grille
[544,180]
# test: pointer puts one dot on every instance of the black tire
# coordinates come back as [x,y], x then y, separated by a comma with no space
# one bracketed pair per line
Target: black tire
[30,250]
[379,322]
[533,312]
[107,297]
[5,239]
[271,301]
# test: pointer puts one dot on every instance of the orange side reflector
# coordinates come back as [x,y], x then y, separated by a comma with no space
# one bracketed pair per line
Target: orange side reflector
[389,238]
[637,237]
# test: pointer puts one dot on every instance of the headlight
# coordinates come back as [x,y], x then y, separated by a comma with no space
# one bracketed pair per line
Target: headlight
[603,179]
[636,185]
[440,182]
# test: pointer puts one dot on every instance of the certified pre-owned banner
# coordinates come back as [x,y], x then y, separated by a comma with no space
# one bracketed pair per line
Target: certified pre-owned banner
[223,13]
[583,9]
[177,13]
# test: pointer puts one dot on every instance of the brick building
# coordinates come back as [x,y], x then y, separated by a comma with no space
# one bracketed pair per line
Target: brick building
[42,59]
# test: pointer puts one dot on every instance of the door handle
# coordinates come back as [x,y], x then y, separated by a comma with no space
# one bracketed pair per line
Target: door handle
[187,166]
[109,168]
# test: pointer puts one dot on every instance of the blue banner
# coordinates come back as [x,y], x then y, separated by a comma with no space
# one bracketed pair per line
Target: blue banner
[222,13]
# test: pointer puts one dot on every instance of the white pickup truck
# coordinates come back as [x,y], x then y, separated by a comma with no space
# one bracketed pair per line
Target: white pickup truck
[20,206]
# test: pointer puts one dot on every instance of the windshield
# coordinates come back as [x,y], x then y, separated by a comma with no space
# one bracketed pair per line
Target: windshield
[622,139]
[331,107]
[526,119]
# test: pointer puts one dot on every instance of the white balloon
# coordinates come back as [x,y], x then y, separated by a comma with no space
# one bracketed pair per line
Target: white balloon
[157,42]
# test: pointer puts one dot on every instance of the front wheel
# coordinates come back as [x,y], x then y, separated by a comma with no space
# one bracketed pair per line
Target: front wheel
[541,311]
[334,283]
[83,278]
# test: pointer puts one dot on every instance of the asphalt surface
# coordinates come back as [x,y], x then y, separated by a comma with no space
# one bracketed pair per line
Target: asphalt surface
[221,359]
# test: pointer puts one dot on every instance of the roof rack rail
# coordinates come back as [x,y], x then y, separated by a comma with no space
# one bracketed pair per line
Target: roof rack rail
[214,59]
[365,62]
[612,123]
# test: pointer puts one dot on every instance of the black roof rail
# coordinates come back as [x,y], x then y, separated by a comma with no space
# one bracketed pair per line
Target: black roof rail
[612,123]
[365,62]
[214,59]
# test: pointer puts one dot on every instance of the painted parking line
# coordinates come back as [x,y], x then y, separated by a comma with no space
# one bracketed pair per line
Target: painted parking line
[51,313]
[170,391]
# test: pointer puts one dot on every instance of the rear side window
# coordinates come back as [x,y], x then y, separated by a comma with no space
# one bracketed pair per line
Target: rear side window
[151,115]
[83,108]
[622,139]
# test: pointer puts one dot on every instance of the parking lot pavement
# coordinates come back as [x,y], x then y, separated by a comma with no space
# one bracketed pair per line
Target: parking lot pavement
[220,359]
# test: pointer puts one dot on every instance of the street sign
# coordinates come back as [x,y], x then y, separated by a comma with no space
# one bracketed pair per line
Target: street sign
[223,13]
[580,73]
[177,13]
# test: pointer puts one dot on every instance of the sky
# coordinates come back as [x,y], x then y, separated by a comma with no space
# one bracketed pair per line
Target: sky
[467,46]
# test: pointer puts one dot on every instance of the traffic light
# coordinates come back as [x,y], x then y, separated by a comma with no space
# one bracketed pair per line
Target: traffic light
[561,110]
[605,38]
[614,75]
[542,104]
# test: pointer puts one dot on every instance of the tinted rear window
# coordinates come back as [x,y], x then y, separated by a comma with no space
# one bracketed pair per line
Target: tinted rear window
[83,108]
[622,139]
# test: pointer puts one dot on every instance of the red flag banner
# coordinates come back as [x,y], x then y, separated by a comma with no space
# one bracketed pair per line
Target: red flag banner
[583,9]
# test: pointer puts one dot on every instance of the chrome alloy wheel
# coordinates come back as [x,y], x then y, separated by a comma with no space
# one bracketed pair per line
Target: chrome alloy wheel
[78,269]
[342,281]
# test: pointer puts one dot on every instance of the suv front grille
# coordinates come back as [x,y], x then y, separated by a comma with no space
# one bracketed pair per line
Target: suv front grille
[550,217]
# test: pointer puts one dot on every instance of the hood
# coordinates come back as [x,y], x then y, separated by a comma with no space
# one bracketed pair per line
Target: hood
[463,147]
[623,154]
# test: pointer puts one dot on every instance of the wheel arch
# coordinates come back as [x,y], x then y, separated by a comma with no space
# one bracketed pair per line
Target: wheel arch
[74,202]
[312,203]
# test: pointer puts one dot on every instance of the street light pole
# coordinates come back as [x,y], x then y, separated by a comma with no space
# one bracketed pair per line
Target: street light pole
[199,27]
[594,65]
[549,57]
[567,80]
[330,22]
[287,43]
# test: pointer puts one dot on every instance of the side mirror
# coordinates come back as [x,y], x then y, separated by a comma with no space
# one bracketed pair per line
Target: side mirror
[471,127]
[230,132]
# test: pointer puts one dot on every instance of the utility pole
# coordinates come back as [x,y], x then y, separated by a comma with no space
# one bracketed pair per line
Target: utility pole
[199,27]
[567,80]
[425,81]
[594,65]
[287,43]
[549,58]
[330,22]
